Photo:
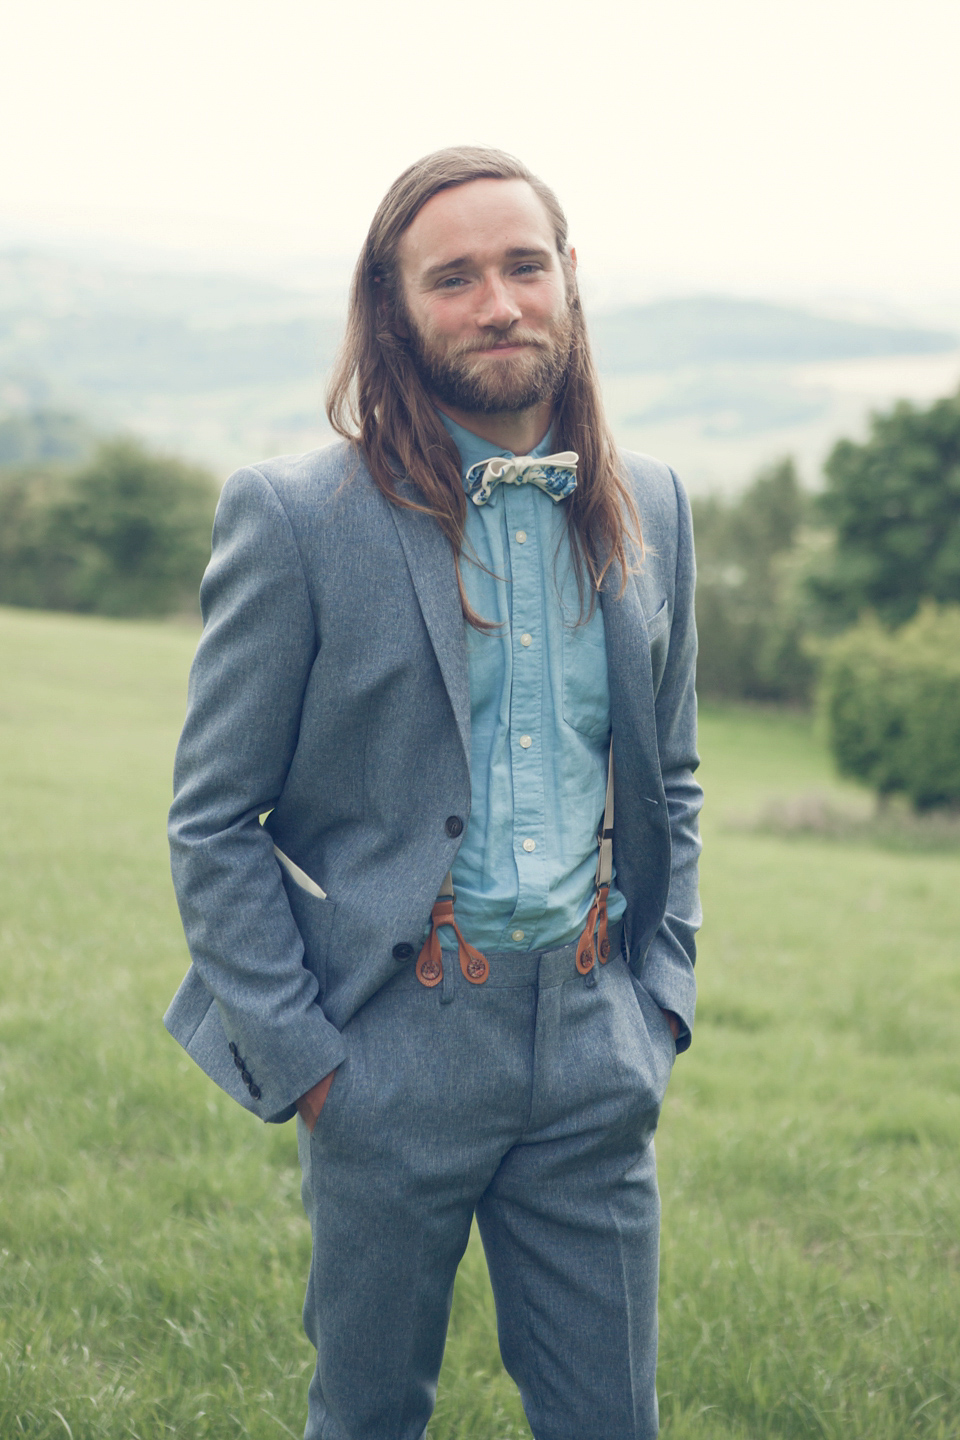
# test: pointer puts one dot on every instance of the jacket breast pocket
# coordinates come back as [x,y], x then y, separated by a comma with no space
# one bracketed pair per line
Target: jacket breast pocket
[657,624]
[586,696]
[658,634]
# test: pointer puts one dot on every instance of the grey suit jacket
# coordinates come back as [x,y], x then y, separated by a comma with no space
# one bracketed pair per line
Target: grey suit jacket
[330,689]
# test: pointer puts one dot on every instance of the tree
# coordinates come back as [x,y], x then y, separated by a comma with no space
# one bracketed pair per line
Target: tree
[138,527]
[129,534]
[894,502]
[33,571]
[749,601]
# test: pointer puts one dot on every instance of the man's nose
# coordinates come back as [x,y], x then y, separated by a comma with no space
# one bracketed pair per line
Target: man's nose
[498,309]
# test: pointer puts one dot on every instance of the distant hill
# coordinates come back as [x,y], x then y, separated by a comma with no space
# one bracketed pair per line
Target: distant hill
[708,331]
[116,354]
[43,435]
[97,331]
[223,368]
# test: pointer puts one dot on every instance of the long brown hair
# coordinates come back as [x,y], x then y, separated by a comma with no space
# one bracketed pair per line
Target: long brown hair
[377,399]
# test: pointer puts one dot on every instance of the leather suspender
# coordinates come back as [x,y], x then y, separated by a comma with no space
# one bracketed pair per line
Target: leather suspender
[430,964]
[594,940]
[593,943]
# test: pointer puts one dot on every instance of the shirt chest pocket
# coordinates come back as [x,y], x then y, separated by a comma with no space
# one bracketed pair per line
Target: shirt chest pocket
[586,693]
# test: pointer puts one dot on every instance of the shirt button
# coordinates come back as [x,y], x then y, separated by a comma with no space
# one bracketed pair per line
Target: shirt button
[517,935]
[525,742]
[521,537]
[529,845]
[526,639]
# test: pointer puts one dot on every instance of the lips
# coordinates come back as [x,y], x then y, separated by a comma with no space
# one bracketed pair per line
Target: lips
[512,348]
[507,347]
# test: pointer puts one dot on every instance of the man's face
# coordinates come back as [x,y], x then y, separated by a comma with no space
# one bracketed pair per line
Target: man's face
[485,298]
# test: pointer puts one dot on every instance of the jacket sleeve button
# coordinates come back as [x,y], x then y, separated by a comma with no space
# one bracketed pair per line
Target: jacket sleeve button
[233,1048]
[403,951]
[255,1091]
[454,826]
[237,1061]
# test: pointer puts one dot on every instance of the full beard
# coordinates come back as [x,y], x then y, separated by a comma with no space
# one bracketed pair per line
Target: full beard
[505,387]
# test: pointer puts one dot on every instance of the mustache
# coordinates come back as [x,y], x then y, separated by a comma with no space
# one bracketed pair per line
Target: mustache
[506,337]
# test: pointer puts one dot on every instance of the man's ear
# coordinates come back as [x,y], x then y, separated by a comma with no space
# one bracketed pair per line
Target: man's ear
[573,258]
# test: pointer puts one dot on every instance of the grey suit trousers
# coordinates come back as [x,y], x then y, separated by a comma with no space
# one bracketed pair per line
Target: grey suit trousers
[530,1102]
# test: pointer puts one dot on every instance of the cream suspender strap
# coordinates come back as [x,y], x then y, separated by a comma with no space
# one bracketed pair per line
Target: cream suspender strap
[594,941]
[605,836]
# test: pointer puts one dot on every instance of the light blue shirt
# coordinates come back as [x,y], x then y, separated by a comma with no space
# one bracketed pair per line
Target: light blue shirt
[540,724]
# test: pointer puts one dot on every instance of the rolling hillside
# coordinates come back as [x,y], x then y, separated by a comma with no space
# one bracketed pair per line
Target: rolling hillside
[225,368]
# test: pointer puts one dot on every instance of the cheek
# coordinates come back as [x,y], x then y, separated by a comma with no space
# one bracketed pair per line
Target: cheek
[547,304]
[443,322]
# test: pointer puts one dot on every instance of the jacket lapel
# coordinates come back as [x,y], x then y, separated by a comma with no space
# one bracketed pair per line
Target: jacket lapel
[632,701]
[433,572]
[641,829]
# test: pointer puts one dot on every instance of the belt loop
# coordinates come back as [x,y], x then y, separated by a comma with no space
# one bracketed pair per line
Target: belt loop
[448,986]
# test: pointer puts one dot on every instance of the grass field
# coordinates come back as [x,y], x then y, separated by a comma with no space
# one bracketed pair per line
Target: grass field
[152,1248]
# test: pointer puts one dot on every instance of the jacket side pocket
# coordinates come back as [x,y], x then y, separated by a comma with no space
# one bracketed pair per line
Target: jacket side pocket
[314,919]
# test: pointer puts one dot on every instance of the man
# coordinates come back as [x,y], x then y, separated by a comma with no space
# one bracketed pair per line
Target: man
[413,682]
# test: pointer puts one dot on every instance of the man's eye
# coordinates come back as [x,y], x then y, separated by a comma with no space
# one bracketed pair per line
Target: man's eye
[527,269]
[452,282]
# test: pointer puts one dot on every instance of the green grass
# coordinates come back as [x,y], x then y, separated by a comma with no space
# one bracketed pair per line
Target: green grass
[152,1248]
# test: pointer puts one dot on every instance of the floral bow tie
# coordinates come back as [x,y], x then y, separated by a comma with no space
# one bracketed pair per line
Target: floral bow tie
[555,475]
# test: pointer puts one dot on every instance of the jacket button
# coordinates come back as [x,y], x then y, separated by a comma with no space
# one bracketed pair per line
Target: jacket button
[255,1091]
[454,826]
[403,951]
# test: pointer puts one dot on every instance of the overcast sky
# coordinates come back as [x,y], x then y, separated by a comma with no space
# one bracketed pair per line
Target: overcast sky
[763,146]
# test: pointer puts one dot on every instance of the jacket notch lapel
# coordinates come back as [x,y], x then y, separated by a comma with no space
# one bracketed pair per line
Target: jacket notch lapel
[630,678]
[434,575]
[641,825]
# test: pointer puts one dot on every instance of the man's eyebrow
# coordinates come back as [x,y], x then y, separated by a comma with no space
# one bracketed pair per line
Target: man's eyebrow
[516,252]
[434,271]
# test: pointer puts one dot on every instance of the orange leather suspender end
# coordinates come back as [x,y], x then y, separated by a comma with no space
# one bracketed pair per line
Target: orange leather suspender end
[594,934]
[473,965]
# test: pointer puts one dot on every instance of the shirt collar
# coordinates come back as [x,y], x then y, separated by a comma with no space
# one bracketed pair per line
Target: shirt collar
[475,450]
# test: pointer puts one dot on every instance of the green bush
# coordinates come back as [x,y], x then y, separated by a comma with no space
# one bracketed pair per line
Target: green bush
[128,534]
[891,701]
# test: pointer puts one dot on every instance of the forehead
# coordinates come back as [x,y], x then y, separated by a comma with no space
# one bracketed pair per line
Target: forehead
[481,219]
